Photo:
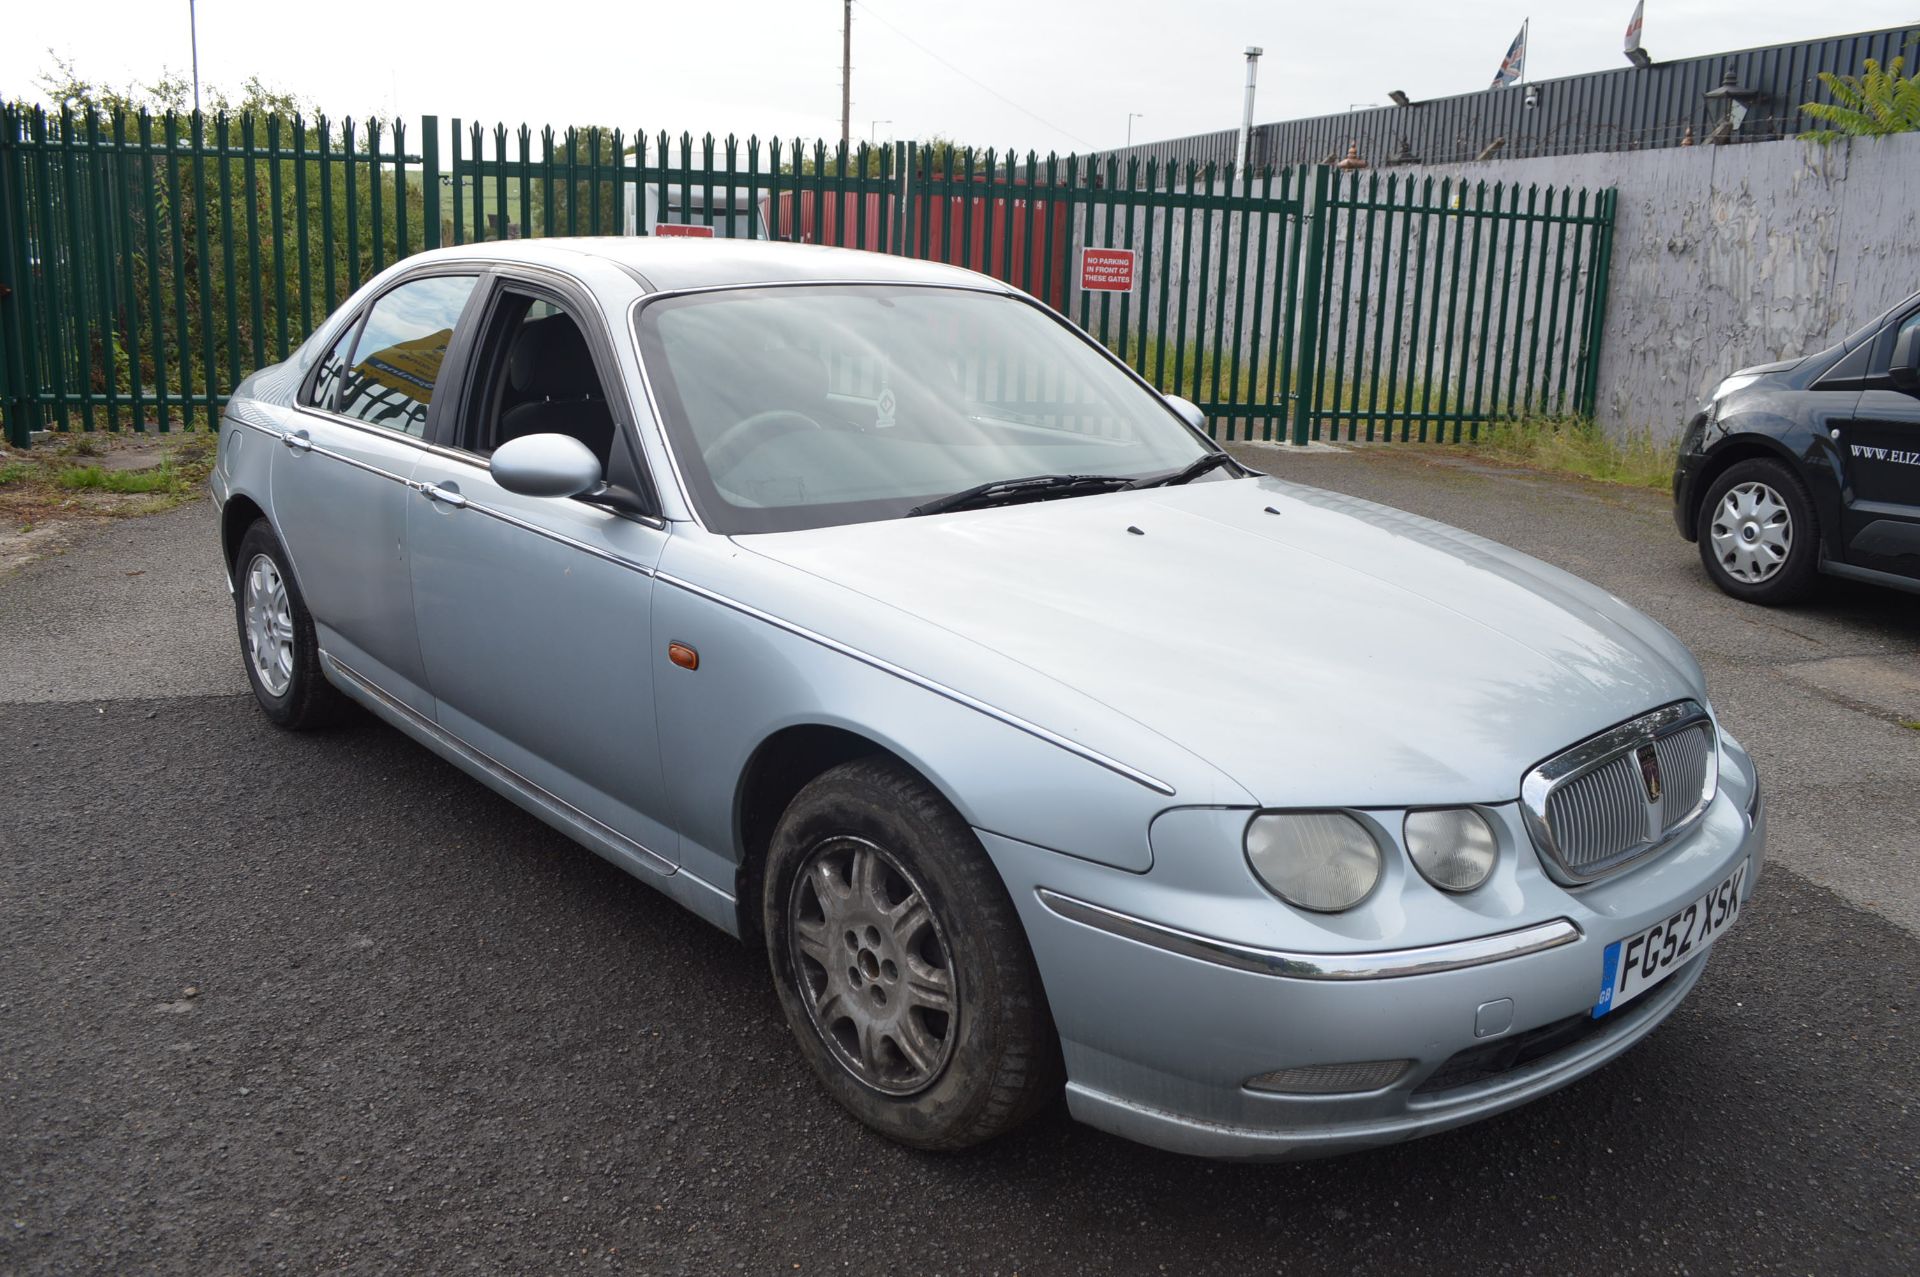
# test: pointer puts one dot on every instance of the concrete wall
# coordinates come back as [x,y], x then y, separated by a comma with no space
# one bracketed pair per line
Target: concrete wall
[1736,255]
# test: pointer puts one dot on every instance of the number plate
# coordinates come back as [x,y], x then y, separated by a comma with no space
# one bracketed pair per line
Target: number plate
[1637,963]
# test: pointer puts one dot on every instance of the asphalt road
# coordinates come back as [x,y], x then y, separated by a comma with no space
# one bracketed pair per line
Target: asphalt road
[427,1034]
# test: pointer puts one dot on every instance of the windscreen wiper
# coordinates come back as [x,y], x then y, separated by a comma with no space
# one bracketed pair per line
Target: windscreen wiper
[1188,473]
[1010,491]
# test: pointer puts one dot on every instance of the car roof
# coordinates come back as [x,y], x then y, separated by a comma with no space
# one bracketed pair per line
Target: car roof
[663,262]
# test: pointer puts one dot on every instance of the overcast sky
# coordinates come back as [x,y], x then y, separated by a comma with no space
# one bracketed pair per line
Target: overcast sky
[1056,73]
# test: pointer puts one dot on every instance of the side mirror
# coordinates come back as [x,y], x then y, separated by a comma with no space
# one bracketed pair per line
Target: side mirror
[546,466]
[1903,370]
[1189,412]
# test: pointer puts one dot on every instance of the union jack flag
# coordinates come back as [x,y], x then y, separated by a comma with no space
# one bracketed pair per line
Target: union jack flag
[1514,65]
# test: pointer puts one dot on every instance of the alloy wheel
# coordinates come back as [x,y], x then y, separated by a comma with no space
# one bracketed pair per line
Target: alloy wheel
[1751,533]
[872,966]
[269,615]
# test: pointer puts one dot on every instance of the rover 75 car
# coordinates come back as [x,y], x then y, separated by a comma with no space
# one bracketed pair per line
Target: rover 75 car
[870,610]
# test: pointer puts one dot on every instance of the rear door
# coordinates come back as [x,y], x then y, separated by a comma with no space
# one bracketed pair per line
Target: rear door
[340,480]
[534,613]
[1880,456]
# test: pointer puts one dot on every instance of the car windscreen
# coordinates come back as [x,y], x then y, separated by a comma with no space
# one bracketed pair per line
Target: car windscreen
[804,407]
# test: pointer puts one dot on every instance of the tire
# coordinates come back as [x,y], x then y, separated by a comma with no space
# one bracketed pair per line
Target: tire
[287,680]
[1759,537]
[875,837]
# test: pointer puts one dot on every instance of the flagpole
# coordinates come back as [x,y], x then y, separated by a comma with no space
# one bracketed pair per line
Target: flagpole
[1526,45]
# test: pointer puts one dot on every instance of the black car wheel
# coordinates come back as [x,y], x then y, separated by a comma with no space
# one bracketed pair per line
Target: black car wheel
[1759,538]
[901,965]
[276,636]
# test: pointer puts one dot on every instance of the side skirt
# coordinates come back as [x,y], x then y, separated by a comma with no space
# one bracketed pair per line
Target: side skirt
[1847,571]
[697,894]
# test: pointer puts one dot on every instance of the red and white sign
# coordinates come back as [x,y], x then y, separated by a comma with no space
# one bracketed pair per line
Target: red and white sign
[1107,270]
[685,232]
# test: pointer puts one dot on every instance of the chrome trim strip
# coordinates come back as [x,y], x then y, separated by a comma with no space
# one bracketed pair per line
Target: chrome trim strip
[309,446]
[1386,964]
[478,507]
[921,681]
[1538,785]
[556,805]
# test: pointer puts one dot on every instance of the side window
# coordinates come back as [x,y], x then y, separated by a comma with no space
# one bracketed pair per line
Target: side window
[542,380]
[397,360]
[326,382]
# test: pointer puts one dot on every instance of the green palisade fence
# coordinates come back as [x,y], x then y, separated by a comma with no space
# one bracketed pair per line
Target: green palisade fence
[148,263]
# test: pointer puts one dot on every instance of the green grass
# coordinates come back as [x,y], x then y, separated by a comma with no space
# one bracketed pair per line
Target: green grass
[13,472]
[1579,446]
[1911,724]
[161,478]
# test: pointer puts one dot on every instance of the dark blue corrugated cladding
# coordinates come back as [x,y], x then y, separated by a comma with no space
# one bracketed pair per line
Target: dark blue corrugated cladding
[1623,109]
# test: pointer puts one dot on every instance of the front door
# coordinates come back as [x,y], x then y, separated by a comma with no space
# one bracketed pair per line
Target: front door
[1880,454]
[534,613]
[340,478]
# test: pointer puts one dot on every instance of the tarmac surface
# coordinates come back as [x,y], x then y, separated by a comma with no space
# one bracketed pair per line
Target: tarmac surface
[320,1003]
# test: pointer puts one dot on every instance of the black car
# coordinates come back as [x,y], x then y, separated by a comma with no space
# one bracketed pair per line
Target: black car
[1810,466]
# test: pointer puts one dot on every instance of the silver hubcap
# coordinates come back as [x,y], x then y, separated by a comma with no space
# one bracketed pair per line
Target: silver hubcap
[1752,532]
[269,625]
[872,966]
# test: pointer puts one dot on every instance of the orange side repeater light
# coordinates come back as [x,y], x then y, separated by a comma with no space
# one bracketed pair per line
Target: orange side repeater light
[683,656]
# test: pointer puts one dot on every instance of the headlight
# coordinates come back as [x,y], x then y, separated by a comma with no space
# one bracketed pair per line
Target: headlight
[1319,860]
[1454,849]
[1739,381]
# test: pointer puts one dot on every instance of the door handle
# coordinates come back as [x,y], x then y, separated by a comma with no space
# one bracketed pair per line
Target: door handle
[446,496]
[297,441]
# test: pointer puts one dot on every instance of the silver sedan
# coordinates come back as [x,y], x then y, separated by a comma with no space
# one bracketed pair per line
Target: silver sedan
[868,609]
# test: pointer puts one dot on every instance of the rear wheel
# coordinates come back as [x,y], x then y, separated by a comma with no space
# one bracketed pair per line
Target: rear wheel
[276,636]
[1759,538]
[900,962]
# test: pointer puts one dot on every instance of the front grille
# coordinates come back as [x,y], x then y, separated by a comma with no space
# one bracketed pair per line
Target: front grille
[1623,794]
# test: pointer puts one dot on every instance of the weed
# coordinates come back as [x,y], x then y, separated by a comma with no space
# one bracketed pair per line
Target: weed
[13,472]
[162,478]
[1573,445]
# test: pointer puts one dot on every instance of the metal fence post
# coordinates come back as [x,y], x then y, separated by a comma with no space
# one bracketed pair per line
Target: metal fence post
[1307,353]
[1597,320]
[903,198]
[16,272]
[430,181]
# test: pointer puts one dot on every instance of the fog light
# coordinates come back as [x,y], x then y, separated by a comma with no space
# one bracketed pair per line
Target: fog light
[1331,1079]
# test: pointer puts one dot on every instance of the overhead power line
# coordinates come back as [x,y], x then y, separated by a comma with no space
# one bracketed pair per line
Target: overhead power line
[970,78]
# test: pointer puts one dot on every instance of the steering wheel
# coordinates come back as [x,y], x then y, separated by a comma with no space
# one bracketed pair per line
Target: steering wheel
[743,438]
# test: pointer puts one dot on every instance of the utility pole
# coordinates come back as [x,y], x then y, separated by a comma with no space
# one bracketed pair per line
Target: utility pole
[846,74]
[193,36]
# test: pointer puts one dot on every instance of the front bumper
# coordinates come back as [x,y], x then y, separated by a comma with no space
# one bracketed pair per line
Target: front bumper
[1686,466]
[1159,1042]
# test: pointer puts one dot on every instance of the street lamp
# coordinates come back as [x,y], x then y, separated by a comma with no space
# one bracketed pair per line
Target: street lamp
[873,134]
[1738,99]
[1131,117]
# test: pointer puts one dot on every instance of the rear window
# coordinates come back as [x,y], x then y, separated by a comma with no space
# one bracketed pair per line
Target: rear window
[390,375]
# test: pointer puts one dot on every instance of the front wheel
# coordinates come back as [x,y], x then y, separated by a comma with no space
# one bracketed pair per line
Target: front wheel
[276,636]
[1759,538]
[900,963]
